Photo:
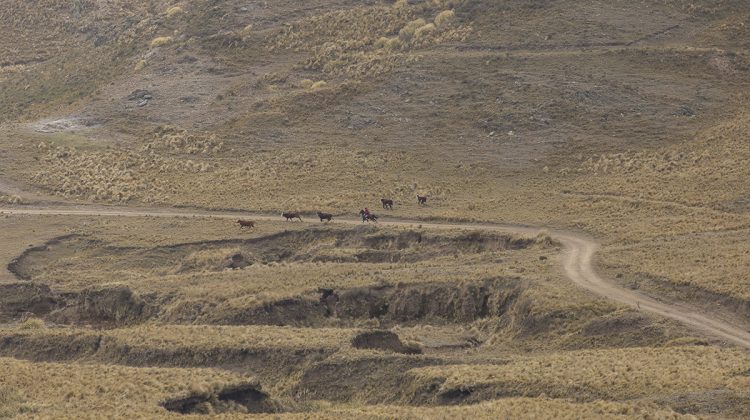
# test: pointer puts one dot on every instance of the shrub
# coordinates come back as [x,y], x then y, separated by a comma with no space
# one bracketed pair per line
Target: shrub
[444,17]
[161,41]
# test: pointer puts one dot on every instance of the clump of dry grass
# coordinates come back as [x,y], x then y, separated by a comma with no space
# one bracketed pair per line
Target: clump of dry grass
[174,11]
[306,83]
[425,30]
[318,85]
[32,324]
[407,32]
[444,17]
[140,65]
[161,41]
[10,199]
[392,44]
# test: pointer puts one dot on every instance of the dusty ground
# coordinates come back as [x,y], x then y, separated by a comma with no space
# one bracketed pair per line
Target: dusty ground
[621,122]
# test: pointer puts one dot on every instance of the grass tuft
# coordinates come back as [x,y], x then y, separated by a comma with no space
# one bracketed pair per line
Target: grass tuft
[445,17]
[32,324]
[161,41]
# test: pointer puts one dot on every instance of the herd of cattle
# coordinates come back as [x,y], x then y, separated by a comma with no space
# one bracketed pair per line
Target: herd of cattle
[366,216]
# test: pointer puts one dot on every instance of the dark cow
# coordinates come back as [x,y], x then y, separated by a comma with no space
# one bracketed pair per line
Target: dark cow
[387,203]
[421,199]
[368,217]
[246,224]
[325,216]
[289,215]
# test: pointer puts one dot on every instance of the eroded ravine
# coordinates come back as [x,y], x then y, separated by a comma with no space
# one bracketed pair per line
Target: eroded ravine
[577,261]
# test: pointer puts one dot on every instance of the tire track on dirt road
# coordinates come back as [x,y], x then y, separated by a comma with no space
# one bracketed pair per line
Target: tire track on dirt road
[577,259]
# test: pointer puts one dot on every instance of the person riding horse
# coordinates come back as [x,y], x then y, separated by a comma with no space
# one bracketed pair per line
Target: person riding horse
[367,216]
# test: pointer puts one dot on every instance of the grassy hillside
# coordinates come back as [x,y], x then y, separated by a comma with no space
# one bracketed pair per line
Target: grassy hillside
[626,121]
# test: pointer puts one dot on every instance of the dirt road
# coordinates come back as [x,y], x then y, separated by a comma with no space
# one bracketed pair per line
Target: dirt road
[577,259]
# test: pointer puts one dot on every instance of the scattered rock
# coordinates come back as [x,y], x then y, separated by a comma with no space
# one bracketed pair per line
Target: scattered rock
[140,95]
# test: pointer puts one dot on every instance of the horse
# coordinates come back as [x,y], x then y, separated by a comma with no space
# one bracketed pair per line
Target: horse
[421,199]
[325,216]
[368,217]
[387,203]
[289,215]
[246,223]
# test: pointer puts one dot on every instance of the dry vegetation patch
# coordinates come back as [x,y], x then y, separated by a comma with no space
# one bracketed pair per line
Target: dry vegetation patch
[68,390]
[366,42]
[615,374]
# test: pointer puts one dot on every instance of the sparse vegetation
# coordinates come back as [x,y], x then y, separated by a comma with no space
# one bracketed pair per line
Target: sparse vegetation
[586,116]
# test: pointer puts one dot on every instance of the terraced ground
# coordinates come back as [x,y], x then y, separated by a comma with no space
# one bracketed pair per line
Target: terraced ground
[133,134]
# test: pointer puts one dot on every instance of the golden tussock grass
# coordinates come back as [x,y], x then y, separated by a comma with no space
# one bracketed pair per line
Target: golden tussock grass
[140,65]
[32,324]
[68,390]
[51,390]
[444,17]
[10,199]
[318,85]
[342,44]
[511,408]
[174,11]
[161,41]
[201,338]
[425,30]
[615,374]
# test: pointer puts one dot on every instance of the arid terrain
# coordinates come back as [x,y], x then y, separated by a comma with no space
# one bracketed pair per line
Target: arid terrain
[583,251]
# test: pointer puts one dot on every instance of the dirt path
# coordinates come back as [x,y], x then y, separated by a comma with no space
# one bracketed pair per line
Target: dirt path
[577,259]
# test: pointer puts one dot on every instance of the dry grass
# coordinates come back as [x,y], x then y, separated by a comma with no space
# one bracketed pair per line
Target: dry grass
[340,48]
[49,390]
[201,339]
[161,41]
[465,101]
[10,199]
[32,324]
[619,374]
[75,390]
[174,11]
[78,264]
[538,408]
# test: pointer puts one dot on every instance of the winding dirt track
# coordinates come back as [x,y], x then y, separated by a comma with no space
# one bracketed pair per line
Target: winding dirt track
[577,259]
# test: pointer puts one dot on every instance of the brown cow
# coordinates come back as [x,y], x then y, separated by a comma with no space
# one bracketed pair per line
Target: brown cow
[246,223]
[387,203]
[325,216]
[289,215]
[421,199]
